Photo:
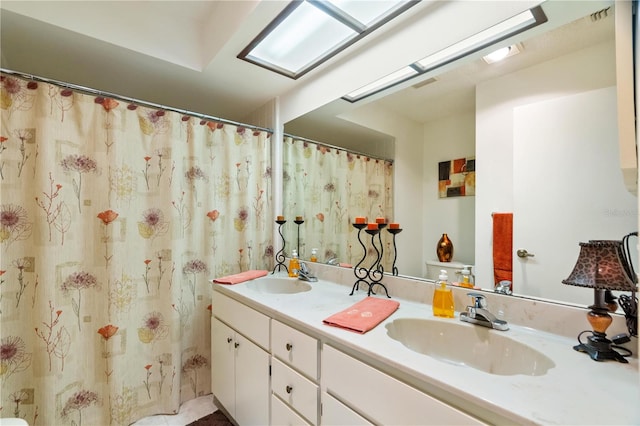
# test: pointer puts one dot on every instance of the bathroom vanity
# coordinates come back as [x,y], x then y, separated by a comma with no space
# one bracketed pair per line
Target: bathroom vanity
[302,371]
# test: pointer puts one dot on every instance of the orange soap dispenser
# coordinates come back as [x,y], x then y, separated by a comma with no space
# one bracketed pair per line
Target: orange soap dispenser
[443,297]
[294,264]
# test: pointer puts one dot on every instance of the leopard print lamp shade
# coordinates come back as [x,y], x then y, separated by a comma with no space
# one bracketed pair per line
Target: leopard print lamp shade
[601,265]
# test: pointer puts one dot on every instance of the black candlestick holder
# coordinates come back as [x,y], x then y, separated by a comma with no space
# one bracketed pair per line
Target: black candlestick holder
[375,272]
[360,272]
[299,222]
[380,266]
[394,232]
[280,258]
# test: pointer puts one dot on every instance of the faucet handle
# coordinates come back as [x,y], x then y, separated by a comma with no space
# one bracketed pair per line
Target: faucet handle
[303,268]
[478,300]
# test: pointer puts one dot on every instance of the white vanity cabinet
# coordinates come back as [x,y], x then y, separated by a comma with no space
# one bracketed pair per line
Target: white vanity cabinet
[380,397]
[294,376]
[240,360]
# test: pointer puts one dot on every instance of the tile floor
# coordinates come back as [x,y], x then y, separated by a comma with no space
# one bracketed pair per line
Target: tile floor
[189,412]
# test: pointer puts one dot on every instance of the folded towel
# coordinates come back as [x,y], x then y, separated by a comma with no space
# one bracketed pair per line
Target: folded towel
[502,247]
[241,277]
[364,315]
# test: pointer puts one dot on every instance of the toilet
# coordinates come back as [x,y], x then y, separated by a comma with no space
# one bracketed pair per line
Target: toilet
[453,269]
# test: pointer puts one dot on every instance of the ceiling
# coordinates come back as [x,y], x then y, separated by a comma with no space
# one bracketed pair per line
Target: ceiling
[182,54]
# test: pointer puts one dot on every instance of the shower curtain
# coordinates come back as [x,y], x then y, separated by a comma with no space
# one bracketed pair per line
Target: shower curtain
[114,219]
[329,187]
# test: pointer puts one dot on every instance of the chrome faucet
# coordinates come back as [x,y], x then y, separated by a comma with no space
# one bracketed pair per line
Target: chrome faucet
[305,274]
[503,287]
[332,261]
[478,314]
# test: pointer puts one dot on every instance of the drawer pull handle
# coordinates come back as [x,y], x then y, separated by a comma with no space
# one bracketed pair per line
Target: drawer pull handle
[289,389]
[289,347]
[229,339]
[236,344]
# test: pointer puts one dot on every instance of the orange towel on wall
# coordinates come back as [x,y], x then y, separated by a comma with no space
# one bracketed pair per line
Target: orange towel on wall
[502,247]
[364,315]
[241,277]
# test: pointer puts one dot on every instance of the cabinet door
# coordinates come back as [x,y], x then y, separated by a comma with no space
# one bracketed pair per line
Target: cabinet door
[222,365]
[382,398]
[252,383]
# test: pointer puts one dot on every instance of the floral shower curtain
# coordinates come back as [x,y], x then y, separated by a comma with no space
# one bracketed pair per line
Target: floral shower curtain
[329,187]
[114,219]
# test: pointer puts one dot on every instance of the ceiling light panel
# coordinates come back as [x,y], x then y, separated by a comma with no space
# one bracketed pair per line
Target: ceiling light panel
[301,38]
[309,32]
[501,31]
[380,84]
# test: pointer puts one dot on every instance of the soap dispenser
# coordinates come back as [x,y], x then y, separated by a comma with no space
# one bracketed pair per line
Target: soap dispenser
[467,281]
[443,297]
[294,264]
[314,255]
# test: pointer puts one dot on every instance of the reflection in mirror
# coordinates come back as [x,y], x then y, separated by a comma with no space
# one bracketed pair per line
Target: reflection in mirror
[324,190]
[542,127]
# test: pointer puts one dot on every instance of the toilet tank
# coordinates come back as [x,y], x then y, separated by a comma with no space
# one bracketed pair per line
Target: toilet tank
[453,269]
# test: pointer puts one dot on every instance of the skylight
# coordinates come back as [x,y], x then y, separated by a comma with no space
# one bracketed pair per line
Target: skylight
[309,32]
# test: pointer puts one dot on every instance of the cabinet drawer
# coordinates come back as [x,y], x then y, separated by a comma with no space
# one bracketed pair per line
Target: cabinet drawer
[382,398]
[249,322]
[282,415]
[295,389]
[295,348]
[335,413]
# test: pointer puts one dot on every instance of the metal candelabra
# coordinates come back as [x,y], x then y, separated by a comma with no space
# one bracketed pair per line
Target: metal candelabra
[280,255]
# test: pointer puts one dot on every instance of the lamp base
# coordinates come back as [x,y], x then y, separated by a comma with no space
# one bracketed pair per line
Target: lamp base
[599,348]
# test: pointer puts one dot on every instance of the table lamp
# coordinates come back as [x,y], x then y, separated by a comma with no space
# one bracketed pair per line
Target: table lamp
[602,266]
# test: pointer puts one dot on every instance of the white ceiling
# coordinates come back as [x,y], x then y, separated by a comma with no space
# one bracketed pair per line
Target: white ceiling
[182,54]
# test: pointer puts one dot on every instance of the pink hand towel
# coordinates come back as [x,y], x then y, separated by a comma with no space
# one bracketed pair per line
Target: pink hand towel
[364,315]
[241,277]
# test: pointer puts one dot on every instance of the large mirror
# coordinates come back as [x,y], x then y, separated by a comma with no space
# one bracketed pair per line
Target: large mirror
[542,126]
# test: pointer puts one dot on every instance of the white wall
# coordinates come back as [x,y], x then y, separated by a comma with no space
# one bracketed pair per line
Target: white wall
[447,139]
[581,71]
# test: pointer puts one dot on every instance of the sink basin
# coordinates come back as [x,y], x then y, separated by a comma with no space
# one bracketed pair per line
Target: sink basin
[477,347]
[278,285]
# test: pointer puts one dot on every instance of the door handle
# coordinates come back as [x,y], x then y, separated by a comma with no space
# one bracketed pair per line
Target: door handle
[523,253]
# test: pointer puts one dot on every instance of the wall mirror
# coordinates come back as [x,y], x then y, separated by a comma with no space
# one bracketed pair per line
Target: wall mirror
[556,170]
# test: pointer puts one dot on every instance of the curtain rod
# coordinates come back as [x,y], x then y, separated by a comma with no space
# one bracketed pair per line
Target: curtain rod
[375,157]
[91,91]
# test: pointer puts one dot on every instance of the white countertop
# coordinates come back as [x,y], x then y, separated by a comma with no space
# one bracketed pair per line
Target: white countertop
[577,391]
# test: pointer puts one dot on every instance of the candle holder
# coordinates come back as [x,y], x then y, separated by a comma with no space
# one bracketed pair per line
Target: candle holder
[394,232]
[380,267]
[299,222]
[375,272]
[359,272]
[280,255]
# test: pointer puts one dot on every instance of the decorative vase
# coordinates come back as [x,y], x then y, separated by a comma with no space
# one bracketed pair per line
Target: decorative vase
[444,249]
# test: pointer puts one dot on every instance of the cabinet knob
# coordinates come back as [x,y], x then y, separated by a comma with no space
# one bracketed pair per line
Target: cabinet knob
[289,389]
[229,339]
[289,346]
[236,344]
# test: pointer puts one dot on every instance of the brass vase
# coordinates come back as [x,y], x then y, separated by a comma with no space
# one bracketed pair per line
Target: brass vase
[444,249]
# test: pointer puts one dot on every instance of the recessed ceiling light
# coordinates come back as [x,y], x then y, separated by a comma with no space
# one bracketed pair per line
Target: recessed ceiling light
[502,53]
